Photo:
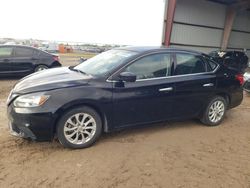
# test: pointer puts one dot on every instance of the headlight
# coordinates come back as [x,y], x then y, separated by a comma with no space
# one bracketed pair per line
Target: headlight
[31,100]
[9,98]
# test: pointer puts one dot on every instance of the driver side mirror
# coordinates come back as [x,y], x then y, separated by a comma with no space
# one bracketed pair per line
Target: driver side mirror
[127,77]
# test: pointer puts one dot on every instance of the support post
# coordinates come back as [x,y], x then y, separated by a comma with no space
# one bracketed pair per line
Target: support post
[168,21]
[231,13]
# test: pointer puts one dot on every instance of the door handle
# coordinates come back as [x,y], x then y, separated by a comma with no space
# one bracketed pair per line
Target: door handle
[166,89]
[208,85]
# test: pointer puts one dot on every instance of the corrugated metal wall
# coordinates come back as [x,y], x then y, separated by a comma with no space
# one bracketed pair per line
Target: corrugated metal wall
[200,12]
[195,35]
[242,21]
[199,25]
[240,36]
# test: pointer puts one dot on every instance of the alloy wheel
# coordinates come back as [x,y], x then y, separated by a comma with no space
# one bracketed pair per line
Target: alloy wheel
[80,128]
[216,111]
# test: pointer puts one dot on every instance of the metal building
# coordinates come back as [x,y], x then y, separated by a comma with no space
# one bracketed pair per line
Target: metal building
[207,25]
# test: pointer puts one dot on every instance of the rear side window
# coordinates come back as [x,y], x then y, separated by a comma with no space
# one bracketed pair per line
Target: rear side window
[189,64]
[152,66]
[23,52]
[5,51]
[44,54]
[36,53]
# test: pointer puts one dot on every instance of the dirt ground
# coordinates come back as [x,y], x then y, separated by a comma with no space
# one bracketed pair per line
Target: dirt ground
[168,155]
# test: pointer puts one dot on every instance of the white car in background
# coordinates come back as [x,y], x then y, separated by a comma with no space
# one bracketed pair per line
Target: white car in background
[246,85]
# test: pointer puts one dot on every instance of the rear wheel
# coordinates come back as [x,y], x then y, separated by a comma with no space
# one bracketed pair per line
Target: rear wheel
[79,128]
[215,111]
[40,68]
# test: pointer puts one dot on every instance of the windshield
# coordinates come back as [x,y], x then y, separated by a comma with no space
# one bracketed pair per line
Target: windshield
[105,62]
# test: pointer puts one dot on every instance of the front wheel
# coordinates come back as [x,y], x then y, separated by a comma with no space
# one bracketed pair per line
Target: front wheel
[79,128]
[215,111]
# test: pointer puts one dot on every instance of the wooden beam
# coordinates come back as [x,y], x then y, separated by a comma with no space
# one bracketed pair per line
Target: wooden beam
[230,16]
[168,21]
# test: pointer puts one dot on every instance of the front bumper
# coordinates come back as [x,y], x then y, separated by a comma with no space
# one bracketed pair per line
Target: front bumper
[236,97]
[37,126]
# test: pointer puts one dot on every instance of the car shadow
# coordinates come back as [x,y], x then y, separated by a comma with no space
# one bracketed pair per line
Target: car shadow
[125,135]
[128,135]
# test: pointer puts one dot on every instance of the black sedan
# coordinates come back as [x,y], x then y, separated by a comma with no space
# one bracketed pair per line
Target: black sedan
[121,88]
[17,60]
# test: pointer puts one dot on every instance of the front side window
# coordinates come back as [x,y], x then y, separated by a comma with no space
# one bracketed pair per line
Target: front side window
[152,66]
[23,52]
[189,64]
[5,51]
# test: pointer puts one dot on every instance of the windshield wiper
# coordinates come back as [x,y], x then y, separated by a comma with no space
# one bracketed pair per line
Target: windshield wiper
[76,70]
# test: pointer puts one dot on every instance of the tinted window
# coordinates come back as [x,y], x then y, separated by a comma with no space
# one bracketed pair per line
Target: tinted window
[189,64]
[23,52]
[105,62]
[36,53]
[5,51]
[212,64]
[153,66]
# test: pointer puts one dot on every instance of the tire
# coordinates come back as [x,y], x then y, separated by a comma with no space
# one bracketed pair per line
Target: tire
[41,68]
[214,112]
[82,133]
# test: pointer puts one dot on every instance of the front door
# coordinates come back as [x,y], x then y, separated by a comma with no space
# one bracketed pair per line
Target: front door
[150,97]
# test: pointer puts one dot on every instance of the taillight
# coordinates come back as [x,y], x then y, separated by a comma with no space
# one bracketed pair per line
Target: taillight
[240,78]
[56,58]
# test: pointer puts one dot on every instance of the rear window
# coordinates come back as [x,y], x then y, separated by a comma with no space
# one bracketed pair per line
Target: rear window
[23,52]
[44,54]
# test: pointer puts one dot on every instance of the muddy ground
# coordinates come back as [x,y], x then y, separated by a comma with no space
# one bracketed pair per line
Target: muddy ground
[174,154]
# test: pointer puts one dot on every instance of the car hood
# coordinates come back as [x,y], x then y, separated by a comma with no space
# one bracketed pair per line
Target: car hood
[51,79]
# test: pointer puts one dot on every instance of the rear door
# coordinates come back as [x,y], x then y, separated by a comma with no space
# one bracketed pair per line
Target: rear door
[195,83]
[150,97]
[23,61]
[5,59]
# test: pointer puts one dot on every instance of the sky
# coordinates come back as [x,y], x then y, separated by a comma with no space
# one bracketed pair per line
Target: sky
[128,22]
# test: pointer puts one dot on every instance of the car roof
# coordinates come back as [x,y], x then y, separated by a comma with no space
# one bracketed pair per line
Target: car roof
[17,45]
[23,46]
[148,49]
